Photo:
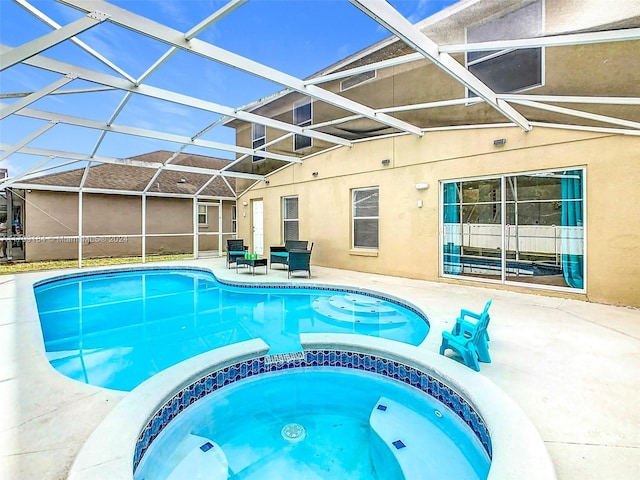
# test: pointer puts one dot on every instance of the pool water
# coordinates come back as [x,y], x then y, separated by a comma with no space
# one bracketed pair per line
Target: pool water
[116,329]
[343,437]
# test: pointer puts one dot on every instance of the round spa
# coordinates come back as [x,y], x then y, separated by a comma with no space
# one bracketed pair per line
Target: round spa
[333,415]
[352,406]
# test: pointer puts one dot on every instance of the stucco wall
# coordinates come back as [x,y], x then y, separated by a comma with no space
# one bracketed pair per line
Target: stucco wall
[409,235]
[55,214]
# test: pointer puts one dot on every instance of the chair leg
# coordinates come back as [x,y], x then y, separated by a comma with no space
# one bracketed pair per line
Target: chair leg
[483,351]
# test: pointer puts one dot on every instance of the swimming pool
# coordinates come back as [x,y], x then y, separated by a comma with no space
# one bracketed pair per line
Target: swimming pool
[117,328]
[319,422]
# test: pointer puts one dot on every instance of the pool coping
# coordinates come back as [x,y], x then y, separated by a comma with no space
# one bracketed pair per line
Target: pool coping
[108,454]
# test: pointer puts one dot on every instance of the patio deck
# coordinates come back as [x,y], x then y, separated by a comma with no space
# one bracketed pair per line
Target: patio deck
[571,366]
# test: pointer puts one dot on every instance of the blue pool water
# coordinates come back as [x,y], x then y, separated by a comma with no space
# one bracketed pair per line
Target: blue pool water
[116,329]
[340,432]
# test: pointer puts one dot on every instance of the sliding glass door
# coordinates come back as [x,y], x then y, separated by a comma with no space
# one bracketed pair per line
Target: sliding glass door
[526,228]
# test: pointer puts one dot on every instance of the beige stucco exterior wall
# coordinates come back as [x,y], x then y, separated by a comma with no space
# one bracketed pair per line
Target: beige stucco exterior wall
[53,214]
[409,240]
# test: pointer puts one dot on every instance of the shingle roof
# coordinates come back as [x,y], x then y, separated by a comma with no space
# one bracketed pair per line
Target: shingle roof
[131,178]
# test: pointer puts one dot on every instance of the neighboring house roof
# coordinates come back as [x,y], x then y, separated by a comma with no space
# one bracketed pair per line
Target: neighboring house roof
[135,179]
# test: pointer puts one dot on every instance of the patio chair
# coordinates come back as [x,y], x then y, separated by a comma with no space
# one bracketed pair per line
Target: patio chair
[469,337]
[235,249]
[280,254]
[300,261]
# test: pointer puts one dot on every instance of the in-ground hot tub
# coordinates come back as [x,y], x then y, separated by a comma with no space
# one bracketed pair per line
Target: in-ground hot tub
[121,442]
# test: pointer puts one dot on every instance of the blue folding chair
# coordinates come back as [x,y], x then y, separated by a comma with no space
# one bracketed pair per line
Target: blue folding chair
[469,337]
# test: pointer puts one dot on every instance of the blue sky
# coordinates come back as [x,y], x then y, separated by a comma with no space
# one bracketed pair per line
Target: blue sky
[299,37]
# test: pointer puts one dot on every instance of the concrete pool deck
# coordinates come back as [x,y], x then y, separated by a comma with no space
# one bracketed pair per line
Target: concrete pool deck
[573,367]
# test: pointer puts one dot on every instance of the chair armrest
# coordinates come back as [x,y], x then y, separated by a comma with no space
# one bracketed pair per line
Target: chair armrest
[277,249]
[467,313]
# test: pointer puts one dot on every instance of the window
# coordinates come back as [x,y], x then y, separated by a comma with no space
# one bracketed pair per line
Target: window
[202,214]
[302,117]
[516,228]
[290,223]
[508,70]
[365,218]
[234,218]
[258,139]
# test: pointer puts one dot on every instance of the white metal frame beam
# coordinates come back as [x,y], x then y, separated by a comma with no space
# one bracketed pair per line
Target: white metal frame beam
[40,44]
[7,110]
[140,132]
[38,14]
[550,41]
[571,99]
[388,17]
[578,113]
[173,37]
[43,152]
[170,96]
[26,140]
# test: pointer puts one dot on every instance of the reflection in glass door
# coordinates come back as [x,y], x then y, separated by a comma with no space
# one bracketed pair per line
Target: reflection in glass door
[539,239]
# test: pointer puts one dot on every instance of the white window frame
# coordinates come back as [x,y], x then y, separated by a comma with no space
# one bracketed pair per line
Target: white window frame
[492,55]
[234,219]
[354,218]
[302,123]
[285,220]
[203,210]
[258,140]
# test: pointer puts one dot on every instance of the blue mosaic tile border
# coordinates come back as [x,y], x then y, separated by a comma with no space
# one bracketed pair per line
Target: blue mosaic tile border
[313,358]
[328,288]
[95,273]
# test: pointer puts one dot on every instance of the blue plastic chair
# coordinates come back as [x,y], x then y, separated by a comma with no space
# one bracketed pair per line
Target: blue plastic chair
[469,337]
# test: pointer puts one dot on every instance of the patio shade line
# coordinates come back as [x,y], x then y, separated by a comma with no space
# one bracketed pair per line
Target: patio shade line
[40,44]
[384,14]
[168,35]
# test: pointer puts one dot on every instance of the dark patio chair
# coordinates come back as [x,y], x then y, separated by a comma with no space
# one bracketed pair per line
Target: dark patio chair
[300,261]
[235,249]
[280,254]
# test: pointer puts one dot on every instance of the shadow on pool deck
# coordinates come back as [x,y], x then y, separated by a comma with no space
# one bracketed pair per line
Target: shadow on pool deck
[572,367]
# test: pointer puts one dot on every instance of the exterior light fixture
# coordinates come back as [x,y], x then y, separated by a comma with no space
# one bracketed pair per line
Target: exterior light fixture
[386,162]
[499,142]
[315,174]
[266,182]
[245,203]
[422,186]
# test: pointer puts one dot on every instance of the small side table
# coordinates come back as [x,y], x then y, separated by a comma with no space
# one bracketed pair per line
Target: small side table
[253,263]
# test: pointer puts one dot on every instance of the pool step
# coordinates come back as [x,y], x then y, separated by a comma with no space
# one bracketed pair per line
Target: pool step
[354,308]
[418,445]
[204,459]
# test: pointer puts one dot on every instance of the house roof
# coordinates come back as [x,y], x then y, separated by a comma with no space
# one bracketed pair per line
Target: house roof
[128,178]
[571,96]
